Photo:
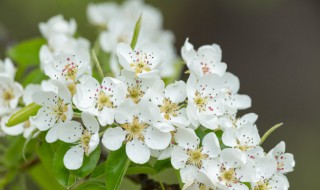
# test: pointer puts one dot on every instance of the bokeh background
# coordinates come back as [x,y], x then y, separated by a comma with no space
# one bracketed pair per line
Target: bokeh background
[273,46]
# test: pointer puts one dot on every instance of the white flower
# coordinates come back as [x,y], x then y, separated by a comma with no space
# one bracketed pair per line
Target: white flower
[101,13]
[56,108]
[275,182]
[201,182]
[212,97]
[142,61]
[7,68]
[204,61]
[68,67]
[138,88]
[10,93]
[170,100]
[246,139]
[190,157]
[230,169]
[57,25]
[285,161]
[100,100]
[138,128]
[236,123]
[84,137]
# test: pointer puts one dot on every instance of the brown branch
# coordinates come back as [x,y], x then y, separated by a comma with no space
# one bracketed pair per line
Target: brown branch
[30,164]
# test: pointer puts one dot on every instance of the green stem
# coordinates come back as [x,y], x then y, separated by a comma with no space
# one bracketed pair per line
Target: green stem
[97,63]
[161,184]
[177,172]
[76,115]
[266,135]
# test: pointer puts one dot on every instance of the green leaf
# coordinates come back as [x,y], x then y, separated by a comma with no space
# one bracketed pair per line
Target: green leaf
[200,133]
[46,153]
[266,135]
[14,152]
[89,163]
[43,178]
[27,52]
[61,173]
[116,167]
[136,32]
[98,171]
[34,77]
[141,169]
[23,114]
[161,165]
[92,185]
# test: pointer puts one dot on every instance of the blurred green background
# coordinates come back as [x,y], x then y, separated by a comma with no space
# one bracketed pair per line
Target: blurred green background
[273,46]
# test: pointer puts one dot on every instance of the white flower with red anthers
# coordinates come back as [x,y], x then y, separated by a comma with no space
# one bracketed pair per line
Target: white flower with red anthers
[140,130]
[26,128]
[57,25]
[69,67]
[212,97]
[84,137]
[170,100]
[285,161]
[7,68]
[204,61]
[246,139]
[100,100]
[234,122]
[56,108]
[190,157]
[10,93]
[142,61]
[230,170]
[267,177]
[138,88]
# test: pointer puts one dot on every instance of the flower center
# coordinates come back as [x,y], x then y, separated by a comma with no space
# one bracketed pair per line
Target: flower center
[85,140]
[59,110]
[135,93]
[141,64]
[135,129]
[200,101]
[104,100]
[70,71]
[72,88]
[196,157]
[261,186]
[169,109]
[228,176]
[8,95]
[205,68]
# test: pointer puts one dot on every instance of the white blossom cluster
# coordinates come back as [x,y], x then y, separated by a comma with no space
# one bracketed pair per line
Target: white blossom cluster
[137,110]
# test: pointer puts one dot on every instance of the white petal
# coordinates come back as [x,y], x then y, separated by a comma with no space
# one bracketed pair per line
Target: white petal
[232,158]
[14,130]
[179,157]
[70,131]
[189,173]
[229,137]
[125,54]
[211,145]
[242,102]
[266,167]
[73,159]
[52,135]
[278,149]
[186,138]
[113,138]
[43,120]
[137,151]
[106,116]
[90,122]
[156,139]
[94,142]
[176,92]
[163,126]
[126,111]
[29,91]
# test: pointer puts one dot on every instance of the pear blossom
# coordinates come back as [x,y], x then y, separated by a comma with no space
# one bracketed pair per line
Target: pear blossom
[212,97]
[276,182]
[139,129]
[100,100]
[190,157]
[142,61]
[285,161]
[206,60]
[230,170]
[68,67]
[10,93]
[56,108]
[233,122]
[85,139]
[57,25]
[101,13]
[138,88]
[170,100]
[7,68]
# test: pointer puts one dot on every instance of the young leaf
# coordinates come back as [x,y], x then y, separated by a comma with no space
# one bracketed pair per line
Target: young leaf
[92,185]
[60,172]
[34,77]
[141,169]
[161,165]
[89,163]
[23,114]
[136,33]
[98,171]
[27,53]
[116,167]
[46,153]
